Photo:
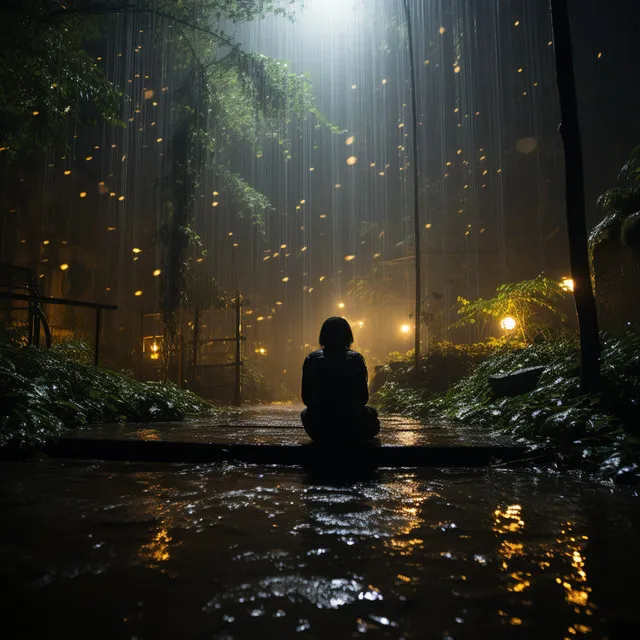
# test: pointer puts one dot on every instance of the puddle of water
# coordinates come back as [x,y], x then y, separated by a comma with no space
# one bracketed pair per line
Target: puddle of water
[116,550]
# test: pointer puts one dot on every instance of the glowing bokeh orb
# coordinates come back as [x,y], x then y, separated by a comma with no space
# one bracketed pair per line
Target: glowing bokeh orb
[351,160]
[340,305]
[64,266]
[508,323]
[405,328]
[526,145]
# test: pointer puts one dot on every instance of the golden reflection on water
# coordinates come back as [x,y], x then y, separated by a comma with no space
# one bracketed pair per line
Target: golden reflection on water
[569,548]
[158,548]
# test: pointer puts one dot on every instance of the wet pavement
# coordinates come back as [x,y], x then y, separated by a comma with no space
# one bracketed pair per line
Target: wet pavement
[146,551]
[280,425]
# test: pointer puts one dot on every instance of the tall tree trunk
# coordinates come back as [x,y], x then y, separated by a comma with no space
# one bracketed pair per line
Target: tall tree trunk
[576,223]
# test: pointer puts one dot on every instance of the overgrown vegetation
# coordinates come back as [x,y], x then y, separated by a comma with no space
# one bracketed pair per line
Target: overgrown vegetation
[599,432]
[43,391]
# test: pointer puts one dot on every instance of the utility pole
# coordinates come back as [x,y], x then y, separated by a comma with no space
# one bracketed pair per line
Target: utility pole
[416,191]
[237,396]
[576,223]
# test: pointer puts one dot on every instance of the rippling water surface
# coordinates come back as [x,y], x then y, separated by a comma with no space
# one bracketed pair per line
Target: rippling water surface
[116,550]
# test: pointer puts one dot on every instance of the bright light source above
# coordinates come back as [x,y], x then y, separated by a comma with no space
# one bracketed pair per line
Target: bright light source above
[405,328]
[567,284]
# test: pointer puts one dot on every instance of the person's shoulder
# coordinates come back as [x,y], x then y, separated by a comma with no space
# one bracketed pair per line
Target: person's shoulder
[315,355]
[354,355]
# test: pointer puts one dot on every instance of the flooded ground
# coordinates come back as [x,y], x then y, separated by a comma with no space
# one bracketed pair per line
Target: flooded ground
[126,550]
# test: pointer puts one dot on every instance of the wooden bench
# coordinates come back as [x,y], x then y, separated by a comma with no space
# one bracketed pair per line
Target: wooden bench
[19,284]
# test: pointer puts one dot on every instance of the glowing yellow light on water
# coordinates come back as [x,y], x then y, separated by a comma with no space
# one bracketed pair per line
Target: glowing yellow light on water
[64,266]
[83,194]
[157,272]
[350,140]
[136,250]
[351,160]
[349,258]
[508,323]
[405,328]
[567,284]
[138,293]
[340,305]
[285,279]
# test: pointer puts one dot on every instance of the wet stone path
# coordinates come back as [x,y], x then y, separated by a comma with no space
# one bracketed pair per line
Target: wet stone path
[279,424]
[117,550]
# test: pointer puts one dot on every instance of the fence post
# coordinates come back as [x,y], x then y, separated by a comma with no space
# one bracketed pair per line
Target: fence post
[238,380]
[96,348]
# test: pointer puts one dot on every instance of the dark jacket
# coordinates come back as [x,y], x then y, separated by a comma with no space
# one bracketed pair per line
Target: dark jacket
[334,380]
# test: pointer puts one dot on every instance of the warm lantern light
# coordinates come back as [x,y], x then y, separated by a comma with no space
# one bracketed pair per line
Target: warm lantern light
[360,323]
[138,293]
[508,323]
[136,250]
[567,284]
[64,266]
[157,272]
[83,194]
[351,160]
[340,305]
[405,328]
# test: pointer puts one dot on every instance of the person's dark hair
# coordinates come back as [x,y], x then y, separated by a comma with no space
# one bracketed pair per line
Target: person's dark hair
[335,334]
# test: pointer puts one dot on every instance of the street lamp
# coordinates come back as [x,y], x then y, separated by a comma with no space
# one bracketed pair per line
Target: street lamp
[508,323]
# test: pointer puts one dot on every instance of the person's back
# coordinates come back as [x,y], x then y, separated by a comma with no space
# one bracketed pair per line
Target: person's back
[334,388]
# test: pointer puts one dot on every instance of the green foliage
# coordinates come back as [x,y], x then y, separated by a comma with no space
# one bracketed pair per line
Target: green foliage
[46,70]
[443,365]
[597,431]
[43,391]
[521,300]
[619,204]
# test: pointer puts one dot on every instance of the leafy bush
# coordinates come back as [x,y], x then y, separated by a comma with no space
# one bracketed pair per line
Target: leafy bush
[43,391]
[596,430]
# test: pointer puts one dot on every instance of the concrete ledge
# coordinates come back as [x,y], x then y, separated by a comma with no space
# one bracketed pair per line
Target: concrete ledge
[307,454]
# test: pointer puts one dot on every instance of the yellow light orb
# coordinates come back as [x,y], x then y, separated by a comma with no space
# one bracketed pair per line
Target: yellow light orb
[136,250]
[83,194]
[349,258]
[157,272]
[340,305]
[262,351]
[405,328]
[567,284]
[351,160]
[64,266]
[350,140]
[508,323]
[138,293]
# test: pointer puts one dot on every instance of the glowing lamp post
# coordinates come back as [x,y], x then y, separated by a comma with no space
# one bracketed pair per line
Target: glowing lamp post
[508,323]
[405,329]
[567,284]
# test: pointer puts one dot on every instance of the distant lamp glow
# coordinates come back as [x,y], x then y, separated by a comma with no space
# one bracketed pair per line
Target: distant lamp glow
[136,250]
[138,293]
[567,284]
[262,351]
[340,305]
[351,160]
[360,323]
[508,323]
[405,328]
[64,266]
[157,272]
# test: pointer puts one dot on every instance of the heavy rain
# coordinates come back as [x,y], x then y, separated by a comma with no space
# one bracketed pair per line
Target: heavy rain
[423,214]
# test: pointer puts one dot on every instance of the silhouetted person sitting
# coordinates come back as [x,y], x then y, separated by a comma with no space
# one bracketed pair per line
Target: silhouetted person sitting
[334,389]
